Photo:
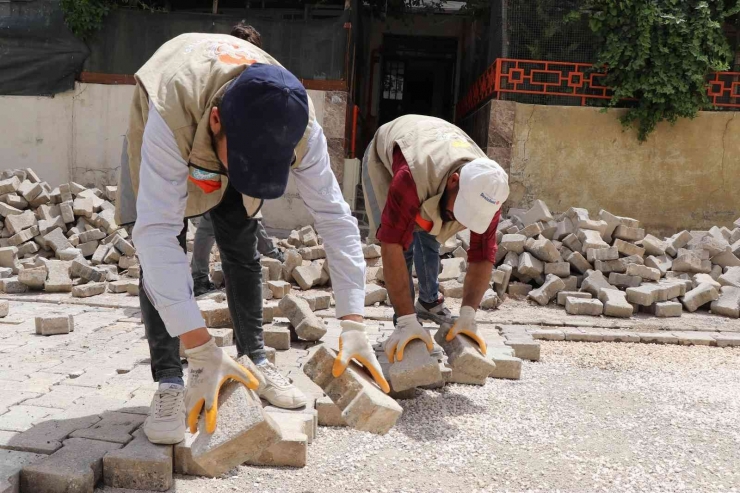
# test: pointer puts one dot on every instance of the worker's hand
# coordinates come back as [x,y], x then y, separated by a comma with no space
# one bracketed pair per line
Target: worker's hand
[408,328]
[465,324]
[353,344]
[209,368]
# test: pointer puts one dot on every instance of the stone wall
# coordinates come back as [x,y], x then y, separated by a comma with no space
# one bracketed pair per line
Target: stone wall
[686,175]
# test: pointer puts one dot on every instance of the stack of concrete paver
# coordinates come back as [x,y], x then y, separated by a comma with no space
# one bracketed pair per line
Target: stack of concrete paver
[63,239]
[610,266]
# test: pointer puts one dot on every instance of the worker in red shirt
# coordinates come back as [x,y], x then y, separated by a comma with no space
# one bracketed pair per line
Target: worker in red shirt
[424,181]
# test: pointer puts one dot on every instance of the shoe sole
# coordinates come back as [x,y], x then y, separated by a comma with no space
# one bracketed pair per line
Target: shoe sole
[165,441]
[434,318]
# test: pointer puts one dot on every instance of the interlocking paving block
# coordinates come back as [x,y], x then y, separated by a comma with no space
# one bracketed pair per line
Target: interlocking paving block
[54,324]
[658,338]
[507,366]
[46,437]
[307,325]
[75,468]
[728,339]
[552,286]
[548,334]
[692,338]
[699,296]
[615,303]
[579,306]
[215,314]
[184,463]
[114,427]
[243,432]
[417,369]
[580,335]
[89,289]
[140,465]
[11,463]
[728,303]
[329,413]
[562,295]
[292,448]
[528,349]
[364,406]
[665,309]
[620,336]
[276,336]
[374,294]
[464,356]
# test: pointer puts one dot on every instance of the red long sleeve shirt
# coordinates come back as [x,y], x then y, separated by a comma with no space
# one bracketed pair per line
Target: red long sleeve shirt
[398,220]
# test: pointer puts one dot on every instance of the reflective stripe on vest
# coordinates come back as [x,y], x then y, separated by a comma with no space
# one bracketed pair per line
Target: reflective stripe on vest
[423,223]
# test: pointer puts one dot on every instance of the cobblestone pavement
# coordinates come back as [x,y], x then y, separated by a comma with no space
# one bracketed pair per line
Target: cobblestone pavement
[631,417]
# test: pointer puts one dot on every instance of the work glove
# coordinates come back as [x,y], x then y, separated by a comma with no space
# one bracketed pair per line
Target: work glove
[408,328]
[209,368]
[465,324]
[353,344]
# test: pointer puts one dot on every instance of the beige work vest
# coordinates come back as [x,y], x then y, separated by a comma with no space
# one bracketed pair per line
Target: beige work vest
[434,149]
[181,80]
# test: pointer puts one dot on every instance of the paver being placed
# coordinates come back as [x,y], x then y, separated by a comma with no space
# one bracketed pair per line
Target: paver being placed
[364,406]
[140,465]
[243,431]
[464,356]
[329,413]
[75,468]
[290,451]
[417,369]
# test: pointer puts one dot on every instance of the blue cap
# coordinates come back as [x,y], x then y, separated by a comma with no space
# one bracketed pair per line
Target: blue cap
[264,114]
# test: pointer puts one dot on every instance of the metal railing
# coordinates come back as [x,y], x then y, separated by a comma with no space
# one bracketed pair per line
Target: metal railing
[580,83]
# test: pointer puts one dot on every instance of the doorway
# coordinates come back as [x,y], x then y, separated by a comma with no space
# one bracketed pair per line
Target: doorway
[418,77]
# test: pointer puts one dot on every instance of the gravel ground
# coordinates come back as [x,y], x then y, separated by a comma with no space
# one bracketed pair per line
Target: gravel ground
[588,417]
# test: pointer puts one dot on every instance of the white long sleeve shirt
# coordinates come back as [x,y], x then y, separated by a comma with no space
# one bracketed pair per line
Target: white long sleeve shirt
[160,208]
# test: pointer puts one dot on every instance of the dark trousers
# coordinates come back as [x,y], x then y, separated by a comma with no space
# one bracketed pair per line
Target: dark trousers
[236,237]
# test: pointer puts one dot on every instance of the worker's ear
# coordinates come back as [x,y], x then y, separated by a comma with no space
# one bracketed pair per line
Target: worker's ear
[453,182]
[214,121]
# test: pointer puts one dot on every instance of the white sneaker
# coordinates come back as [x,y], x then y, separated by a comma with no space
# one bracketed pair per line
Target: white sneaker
[166,421]
[278,390]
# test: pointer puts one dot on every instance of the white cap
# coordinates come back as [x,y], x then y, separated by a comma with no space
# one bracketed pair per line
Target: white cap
[484,186]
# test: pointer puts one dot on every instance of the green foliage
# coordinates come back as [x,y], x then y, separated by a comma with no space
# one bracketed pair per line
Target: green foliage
[540,30]
[85,17]
[659,52]
[401,8]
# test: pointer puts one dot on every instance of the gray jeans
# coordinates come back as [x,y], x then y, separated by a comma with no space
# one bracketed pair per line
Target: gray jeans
[205,239]
[237,240]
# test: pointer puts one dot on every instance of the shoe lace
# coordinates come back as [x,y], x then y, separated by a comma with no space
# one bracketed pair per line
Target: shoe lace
[167,403]
[272,374]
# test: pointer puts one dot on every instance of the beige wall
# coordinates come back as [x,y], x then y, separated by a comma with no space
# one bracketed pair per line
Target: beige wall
[686,176]
[78,136]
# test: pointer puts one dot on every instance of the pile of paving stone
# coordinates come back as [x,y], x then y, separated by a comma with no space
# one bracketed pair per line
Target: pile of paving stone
[62,239]
[610,266]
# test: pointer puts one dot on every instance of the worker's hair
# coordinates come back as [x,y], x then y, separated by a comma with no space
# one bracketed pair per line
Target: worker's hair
[248,33]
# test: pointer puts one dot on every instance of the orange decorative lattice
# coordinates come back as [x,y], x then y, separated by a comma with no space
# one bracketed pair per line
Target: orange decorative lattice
[570,80]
